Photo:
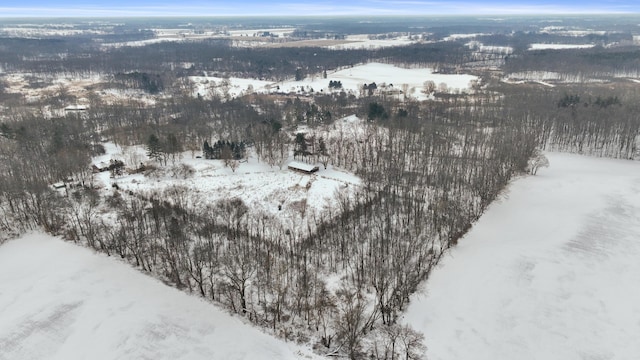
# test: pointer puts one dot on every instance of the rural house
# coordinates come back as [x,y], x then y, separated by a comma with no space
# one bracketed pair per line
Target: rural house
[302,167]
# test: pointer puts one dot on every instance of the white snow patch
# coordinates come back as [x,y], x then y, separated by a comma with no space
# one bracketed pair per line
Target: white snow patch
[548,272]
[561,30]
[233,86]
[454,37]
[393,77]
[545,83]
[35,31]
[533,47]
[275,32]
[490,49]
[140,43]
[364,41]
[546,76]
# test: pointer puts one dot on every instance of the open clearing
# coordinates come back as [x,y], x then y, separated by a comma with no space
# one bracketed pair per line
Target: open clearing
[388,78]
[551,271]
[61,301]
[273,191]
[395,77]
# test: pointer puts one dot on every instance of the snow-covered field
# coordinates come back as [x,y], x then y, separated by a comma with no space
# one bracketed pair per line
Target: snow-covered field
[61,301]
[35,87]
[387,77]
[264,189]
[54,30]
[551,271]
[364,41]
[454,37]
[491,49]
[207,86]
[140,43]
[353,78]
[549,76]
[559,46]
[275,32]
[564,31]
[51,84]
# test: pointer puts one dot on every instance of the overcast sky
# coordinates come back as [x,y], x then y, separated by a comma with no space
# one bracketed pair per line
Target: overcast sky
[307,7]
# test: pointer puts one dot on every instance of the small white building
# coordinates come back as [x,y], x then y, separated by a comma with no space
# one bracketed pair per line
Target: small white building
[100,166]
[59,185]
[76,108]
[302,167]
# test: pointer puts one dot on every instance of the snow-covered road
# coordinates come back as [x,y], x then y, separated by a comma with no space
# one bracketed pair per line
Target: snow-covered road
[551,271]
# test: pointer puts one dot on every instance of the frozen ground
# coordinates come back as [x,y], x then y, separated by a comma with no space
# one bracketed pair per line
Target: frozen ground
[363,41]
[264,189]
[389,78]
[275,32]
[555,77]
[354,78]
[60,301]
[564,31]
[551,271]
[233,86]
[559,46]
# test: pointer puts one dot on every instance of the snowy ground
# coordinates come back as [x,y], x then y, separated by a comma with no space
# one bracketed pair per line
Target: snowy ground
[77,86]
[364,41]
[264,189]
[61,301]
[551,271]
[233,86]
[489,49]
[352,80]
[275,32]
[454,37]
[559,46]
[564,31]
[551,76]
[388,78]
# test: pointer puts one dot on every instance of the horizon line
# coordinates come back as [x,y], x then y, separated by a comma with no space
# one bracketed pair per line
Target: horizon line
[336,15]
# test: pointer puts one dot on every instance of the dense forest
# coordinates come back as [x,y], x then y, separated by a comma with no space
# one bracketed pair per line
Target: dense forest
[338,279]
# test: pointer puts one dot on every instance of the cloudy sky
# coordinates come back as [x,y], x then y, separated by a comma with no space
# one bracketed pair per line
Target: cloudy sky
[307,7]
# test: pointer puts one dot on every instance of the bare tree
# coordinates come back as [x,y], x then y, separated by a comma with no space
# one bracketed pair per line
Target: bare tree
[538,161]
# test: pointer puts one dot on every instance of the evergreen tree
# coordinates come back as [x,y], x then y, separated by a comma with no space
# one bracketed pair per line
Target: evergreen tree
[154,148]
[376,111]
[207,150]
[301,146]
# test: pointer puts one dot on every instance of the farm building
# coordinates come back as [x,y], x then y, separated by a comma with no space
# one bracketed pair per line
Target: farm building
[76,108]
[59,185]
[100,166]
[302,167]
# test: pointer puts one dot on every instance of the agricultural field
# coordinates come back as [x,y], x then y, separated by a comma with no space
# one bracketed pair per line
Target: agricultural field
[551,261]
